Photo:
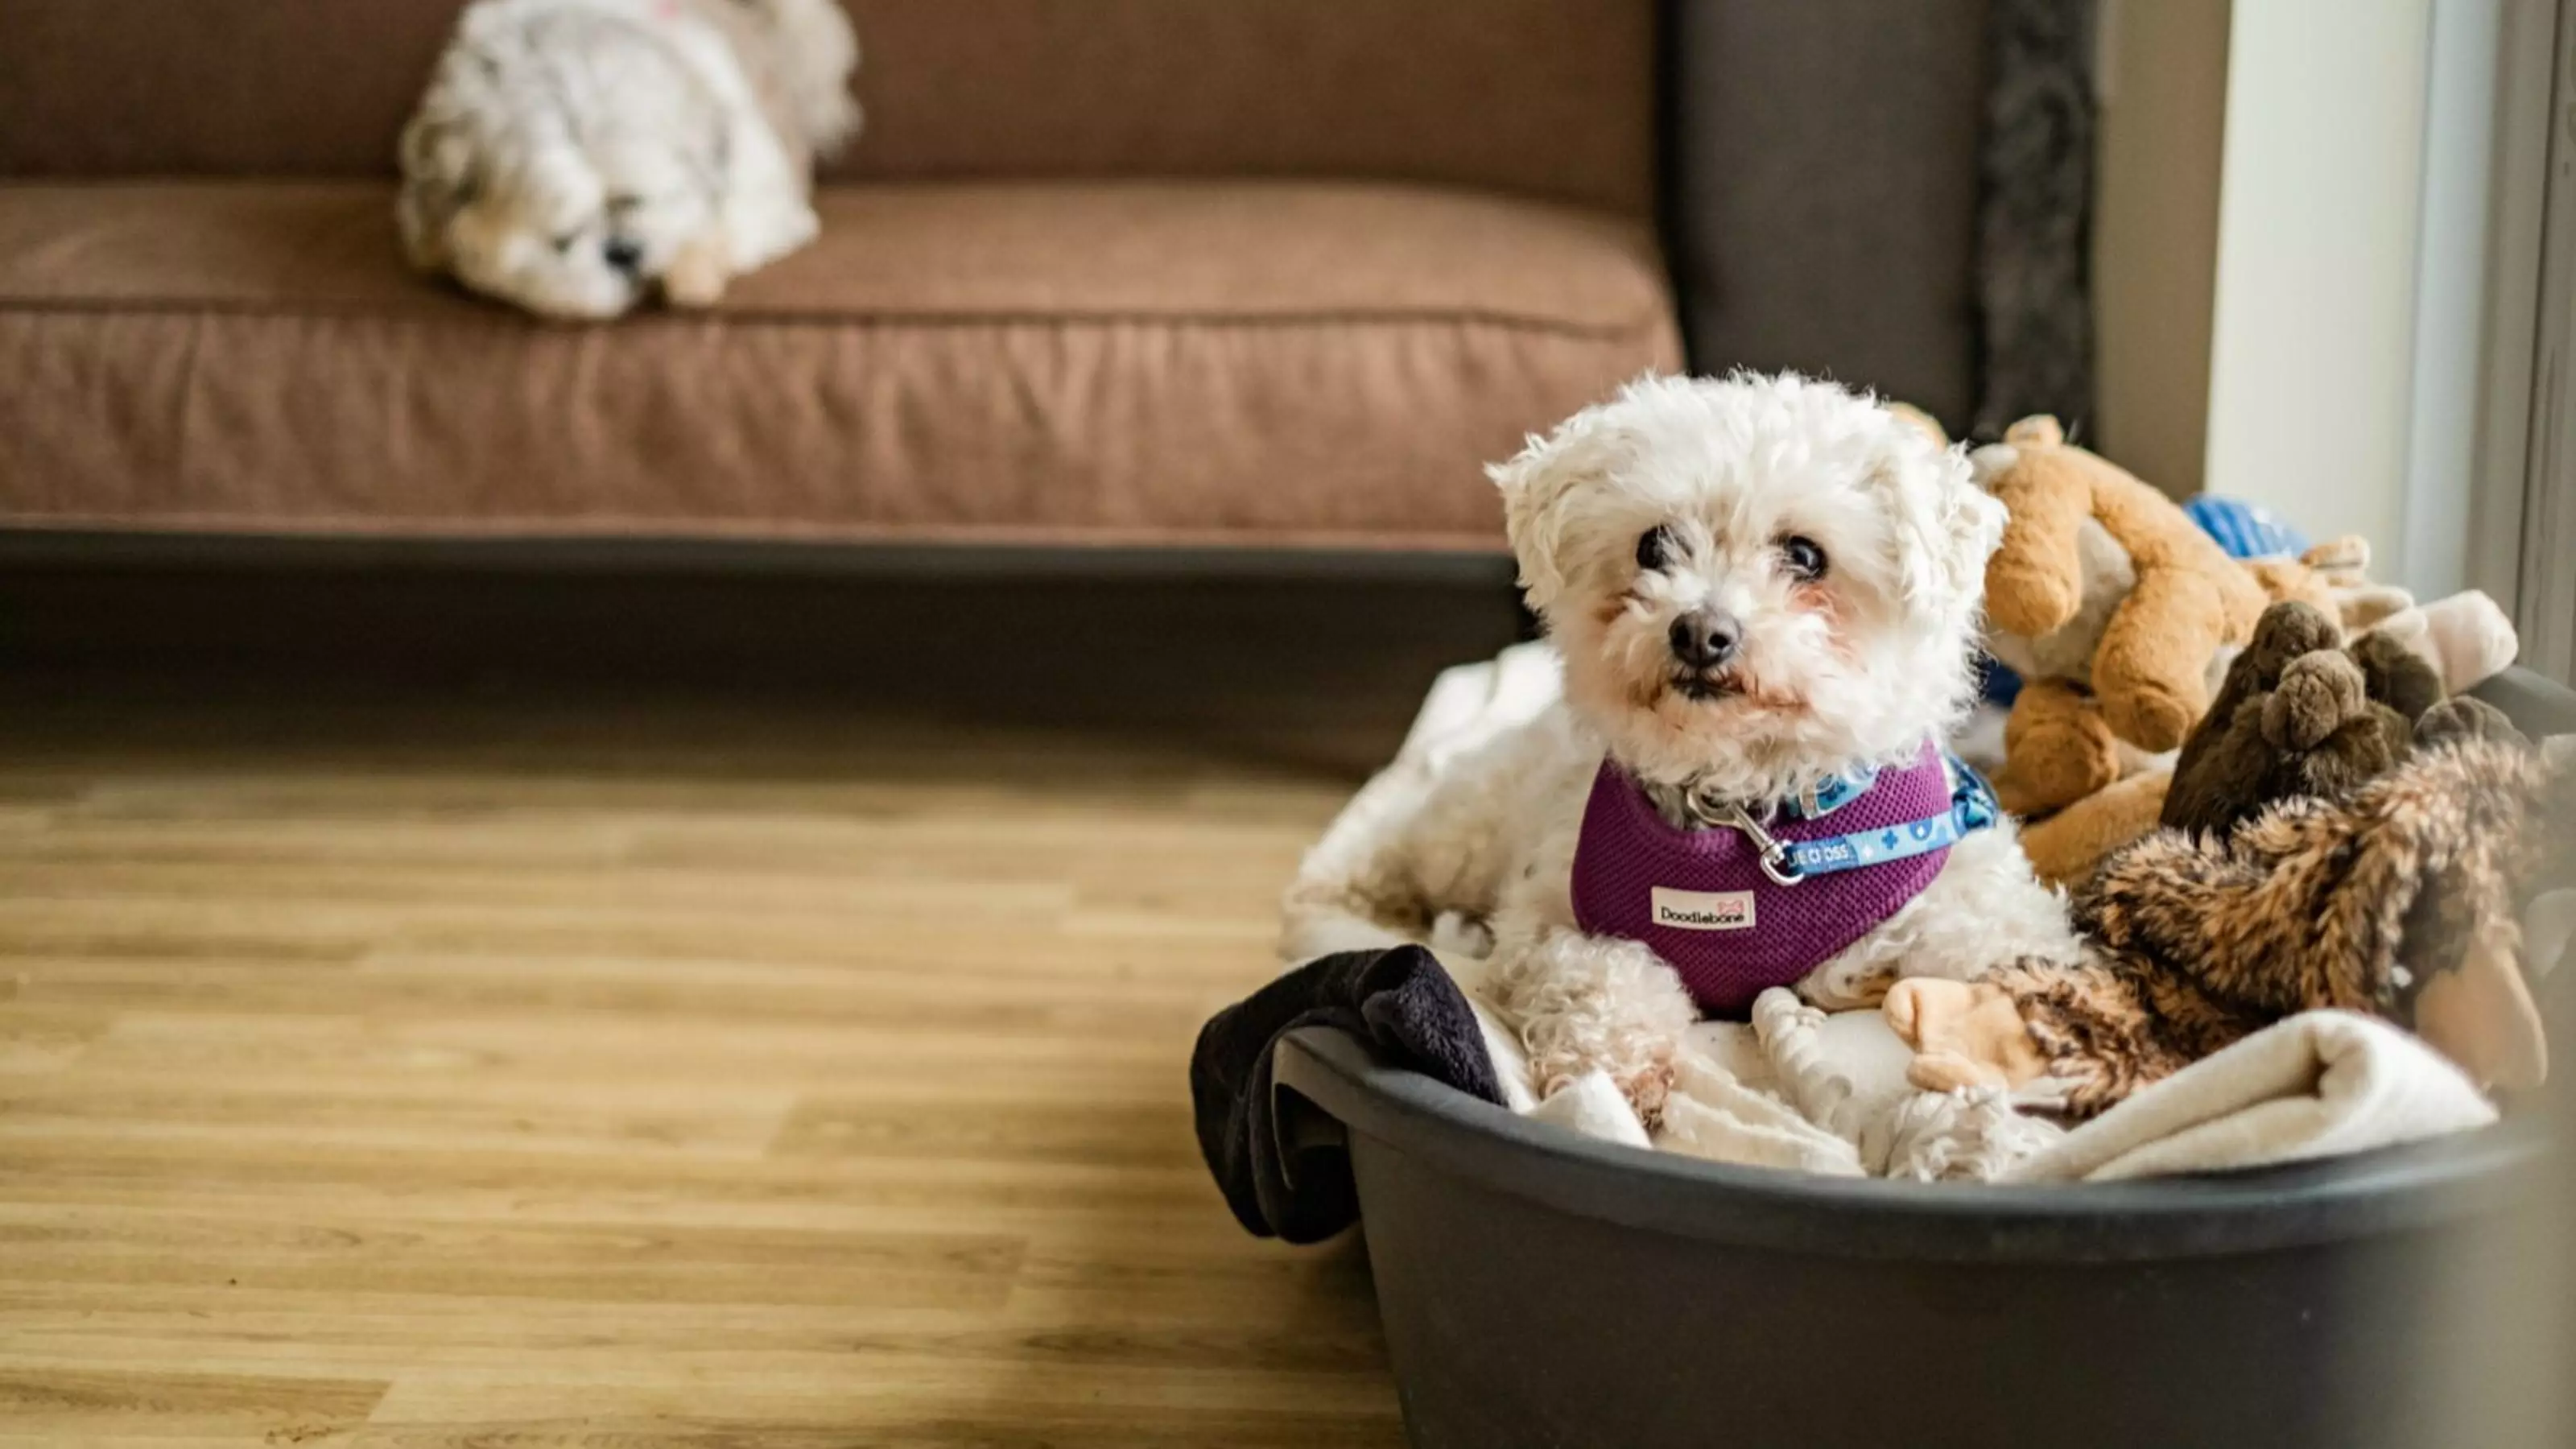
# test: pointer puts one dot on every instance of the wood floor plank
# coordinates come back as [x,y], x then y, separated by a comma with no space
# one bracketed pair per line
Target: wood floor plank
[64,1406]
[505,1261]
[643,1074]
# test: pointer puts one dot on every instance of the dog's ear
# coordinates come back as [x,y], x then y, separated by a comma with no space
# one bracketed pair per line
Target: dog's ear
[1532,489]
[1538,487]
[1946,526]
[440,179]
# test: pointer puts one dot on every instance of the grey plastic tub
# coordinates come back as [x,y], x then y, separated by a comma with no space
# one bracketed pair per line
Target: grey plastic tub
[1540,1289]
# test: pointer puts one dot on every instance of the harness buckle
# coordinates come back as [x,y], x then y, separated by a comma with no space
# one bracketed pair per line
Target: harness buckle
[1769,853]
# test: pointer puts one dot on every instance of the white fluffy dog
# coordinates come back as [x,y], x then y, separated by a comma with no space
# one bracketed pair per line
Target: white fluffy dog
[574,156]
[1758,586]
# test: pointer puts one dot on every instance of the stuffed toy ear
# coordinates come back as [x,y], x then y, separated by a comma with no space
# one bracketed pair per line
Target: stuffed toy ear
[1964,1035]
[2481,1015]
[2039,430]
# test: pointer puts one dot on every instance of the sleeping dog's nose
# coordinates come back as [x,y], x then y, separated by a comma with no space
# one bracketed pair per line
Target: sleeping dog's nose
[626,256]
[1706,638]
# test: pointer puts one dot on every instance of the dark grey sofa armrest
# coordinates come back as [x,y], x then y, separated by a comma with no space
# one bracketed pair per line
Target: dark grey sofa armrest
[1820,184]
[2538,704]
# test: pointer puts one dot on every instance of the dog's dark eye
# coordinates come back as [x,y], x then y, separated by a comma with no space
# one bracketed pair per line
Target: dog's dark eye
[1656,547]
[1803,557]
[565,242]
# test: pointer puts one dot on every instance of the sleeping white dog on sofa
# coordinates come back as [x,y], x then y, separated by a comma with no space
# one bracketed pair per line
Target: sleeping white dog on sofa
[575,157]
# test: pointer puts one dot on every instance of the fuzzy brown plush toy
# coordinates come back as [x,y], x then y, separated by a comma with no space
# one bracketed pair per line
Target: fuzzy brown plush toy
[2302,714]
[2400,900]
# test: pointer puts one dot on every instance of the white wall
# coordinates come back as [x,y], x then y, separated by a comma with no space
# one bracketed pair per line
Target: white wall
[2312,356]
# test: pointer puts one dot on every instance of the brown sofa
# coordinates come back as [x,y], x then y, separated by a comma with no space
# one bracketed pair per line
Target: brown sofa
[1198,272]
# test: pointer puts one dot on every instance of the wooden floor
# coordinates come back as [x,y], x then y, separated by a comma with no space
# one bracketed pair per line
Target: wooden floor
[501,1061]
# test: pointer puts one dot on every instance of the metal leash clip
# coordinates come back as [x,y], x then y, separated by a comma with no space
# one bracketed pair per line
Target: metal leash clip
[1769,852]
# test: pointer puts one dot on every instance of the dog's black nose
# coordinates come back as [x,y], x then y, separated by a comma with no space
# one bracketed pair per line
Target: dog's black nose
[1706,638]
[626,256]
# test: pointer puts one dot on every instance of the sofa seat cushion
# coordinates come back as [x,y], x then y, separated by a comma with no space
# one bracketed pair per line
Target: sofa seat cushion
[1272,363]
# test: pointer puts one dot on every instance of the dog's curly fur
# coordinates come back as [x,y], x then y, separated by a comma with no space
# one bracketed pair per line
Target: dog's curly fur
[576,156]
[1857,666]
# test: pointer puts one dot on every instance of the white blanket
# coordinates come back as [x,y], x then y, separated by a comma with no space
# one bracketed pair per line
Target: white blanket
[2318,1084]
[1799,1088]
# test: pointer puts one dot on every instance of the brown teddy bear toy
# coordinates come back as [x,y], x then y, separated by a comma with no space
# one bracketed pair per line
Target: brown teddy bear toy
[2111,604]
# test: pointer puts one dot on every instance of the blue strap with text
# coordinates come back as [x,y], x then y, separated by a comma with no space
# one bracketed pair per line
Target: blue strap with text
[1972,808]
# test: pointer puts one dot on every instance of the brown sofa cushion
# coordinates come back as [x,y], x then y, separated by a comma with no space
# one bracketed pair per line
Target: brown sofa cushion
[1546,97]
[1249,362]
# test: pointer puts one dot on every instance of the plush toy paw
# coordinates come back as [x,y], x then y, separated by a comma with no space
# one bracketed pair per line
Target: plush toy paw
[2341,569]
[2032,597]
[2317,695]
[2058,750]
[2155,716]
[1964,1034]
[2058,774]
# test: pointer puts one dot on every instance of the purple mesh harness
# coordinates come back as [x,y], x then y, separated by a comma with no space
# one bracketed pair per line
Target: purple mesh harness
[1734,924]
